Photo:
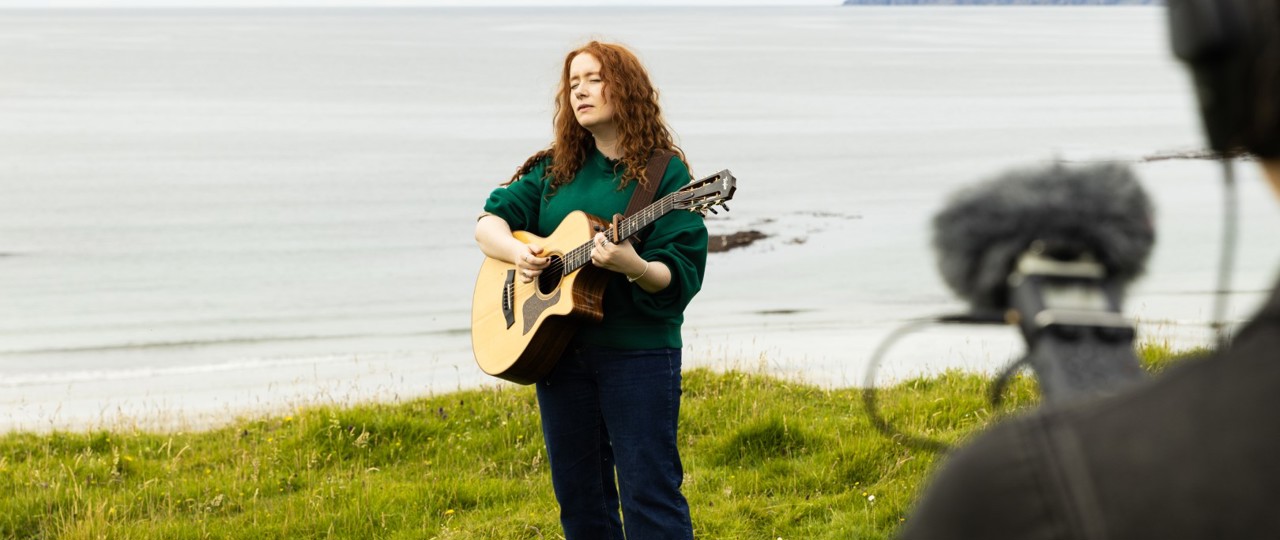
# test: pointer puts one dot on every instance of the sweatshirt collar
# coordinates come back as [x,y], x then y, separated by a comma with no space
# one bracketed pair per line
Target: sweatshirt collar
[601,163]
[1264,320]
[1271,309]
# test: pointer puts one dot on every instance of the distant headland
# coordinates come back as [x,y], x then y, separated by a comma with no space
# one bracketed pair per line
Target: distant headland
[1004,2]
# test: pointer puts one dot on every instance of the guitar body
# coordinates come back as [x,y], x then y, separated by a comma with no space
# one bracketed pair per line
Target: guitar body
[519,330]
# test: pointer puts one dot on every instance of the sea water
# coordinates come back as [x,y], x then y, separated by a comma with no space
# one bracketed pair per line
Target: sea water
[214,212]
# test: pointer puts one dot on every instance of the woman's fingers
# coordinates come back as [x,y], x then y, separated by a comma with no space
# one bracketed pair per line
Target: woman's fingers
[529,265]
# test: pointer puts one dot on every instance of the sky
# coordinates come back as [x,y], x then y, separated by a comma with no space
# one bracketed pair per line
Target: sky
[390,3]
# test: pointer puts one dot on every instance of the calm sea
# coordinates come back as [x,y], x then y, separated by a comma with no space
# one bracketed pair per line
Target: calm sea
[211,212]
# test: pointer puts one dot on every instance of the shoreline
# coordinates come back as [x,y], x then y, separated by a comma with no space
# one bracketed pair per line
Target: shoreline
[810,354]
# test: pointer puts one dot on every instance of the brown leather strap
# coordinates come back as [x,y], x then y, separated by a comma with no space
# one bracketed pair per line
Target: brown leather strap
[645,191]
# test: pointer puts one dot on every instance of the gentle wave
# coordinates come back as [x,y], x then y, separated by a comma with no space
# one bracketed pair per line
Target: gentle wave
[99,375]
[226,341]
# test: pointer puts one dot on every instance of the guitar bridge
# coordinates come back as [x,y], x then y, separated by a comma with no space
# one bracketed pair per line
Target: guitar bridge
[509,298]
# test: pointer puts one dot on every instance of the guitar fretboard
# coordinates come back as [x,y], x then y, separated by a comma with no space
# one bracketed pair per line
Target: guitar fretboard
[580,256]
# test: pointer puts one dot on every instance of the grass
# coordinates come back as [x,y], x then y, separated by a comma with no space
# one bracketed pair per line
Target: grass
[764,458]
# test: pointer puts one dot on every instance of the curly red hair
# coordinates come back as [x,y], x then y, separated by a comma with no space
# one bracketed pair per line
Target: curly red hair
[641,128]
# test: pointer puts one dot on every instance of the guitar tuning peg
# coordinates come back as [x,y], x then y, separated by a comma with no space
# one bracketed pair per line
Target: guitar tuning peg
[725,206]
[713,210]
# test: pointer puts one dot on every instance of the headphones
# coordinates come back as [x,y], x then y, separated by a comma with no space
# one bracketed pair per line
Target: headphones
[1223,43]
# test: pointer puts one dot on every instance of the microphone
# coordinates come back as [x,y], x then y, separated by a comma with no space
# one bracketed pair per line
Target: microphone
[983,229]
[1052,248]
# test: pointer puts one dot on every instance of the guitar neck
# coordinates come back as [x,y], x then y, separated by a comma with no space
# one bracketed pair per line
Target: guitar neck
[627,227]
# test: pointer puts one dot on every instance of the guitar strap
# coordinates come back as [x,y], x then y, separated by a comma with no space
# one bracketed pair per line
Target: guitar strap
[645,191]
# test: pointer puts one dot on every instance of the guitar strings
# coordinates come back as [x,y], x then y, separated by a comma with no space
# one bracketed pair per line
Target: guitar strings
[583,251]
[581,254]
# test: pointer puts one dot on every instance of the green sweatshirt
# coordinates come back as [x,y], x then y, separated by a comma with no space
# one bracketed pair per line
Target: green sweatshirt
[633,318]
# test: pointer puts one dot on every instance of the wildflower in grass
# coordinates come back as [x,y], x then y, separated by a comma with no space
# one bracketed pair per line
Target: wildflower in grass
[448,512]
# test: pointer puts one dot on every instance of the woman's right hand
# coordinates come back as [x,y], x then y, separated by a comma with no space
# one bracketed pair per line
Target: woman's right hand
[528,264]
[494,236]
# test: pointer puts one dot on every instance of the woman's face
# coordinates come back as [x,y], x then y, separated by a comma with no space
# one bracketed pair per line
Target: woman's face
[586,93]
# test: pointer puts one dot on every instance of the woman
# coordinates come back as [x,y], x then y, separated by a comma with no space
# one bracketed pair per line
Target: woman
[612,400]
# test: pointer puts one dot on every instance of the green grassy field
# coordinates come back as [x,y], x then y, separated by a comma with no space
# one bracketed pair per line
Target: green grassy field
[764,458]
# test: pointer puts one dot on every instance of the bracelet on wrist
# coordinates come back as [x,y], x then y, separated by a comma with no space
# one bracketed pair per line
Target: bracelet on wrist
[640,275]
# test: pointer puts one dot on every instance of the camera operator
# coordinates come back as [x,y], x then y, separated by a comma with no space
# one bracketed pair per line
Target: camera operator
[1194,453]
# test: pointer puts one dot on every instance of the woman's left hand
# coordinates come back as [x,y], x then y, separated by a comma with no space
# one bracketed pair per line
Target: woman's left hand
[621,258]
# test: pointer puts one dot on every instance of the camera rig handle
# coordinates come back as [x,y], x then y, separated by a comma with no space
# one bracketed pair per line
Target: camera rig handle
[1078,344]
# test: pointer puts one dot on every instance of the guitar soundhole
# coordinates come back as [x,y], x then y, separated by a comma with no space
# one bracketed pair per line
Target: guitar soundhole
[550,277]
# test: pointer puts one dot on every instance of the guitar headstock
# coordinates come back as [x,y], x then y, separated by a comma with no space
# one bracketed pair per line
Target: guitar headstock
[704,195]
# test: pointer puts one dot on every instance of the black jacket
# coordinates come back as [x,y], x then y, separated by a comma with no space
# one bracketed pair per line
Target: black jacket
[1193,454]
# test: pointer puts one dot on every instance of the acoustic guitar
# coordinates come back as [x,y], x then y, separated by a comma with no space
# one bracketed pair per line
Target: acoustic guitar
[519,330]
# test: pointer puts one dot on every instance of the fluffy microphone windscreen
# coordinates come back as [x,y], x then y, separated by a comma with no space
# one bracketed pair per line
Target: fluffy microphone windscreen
[983,229]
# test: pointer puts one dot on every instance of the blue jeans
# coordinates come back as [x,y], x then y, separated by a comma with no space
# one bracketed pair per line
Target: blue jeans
[609,409]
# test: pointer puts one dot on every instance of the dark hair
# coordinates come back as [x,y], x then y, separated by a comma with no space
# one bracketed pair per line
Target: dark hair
[1233,50]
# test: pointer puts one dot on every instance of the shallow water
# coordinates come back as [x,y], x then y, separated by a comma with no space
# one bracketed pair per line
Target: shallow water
[208,212]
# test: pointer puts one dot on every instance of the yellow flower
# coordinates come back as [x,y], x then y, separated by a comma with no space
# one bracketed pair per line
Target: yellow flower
[448,512]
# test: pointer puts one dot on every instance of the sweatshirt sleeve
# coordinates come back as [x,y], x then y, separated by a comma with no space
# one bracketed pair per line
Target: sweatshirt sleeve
[518,202]
[678,240]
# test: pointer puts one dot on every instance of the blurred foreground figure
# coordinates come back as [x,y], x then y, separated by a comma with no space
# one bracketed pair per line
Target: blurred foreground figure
[1196,452]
